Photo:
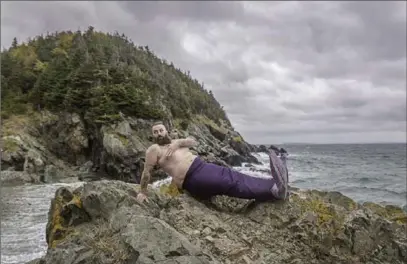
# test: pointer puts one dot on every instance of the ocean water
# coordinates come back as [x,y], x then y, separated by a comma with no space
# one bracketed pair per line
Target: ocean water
[24,215]
[374,172]
[364,172]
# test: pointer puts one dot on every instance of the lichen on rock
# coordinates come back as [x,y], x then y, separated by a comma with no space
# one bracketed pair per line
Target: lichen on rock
[173,227]
[66,212]
[389,212]
[170,189]
[10,144]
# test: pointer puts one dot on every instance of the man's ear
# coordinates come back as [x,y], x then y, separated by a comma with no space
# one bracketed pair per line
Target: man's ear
[150,138]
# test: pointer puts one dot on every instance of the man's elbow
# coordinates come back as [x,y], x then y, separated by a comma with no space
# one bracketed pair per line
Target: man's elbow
[192,142]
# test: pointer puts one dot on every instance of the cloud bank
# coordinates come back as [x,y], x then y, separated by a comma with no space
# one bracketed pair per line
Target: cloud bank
[320,72]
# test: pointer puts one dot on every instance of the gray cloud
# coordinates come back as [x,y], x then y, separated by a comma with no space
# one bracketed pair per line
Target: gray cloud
[284,71]
[196,11]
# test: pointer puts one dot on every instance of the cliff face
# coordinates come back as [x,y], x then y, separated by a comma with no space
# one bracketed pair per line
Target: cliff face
[82,104]
[101,222]
[51,148]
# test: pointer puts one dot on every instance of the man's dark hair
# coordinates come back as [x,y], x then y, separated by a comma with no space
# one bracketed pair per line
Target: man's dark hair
[158,123]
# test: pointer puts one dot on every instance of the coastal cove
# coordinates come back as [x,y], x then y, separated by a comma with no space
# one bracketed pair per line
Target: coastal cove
[25,208]
[77,111]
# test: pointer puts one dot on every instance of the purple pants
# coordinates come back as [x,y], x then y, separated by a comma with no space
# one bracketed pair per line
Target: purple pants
[204,180]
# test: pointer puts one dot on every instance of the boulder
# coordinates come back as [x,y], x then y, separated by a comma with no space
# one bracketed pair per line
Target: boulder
[262,148]
[101,222]
[12,178]
[12,153]
[26,154]
[65,134]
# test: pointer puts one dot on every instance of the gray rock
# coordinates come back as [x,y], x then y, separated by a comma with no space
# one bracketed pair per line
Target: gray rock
[102,222]
[36,261]
[65,135]
[114,146]
[51,173]
[124,129]
[117,151]
[36,146]
[12,178]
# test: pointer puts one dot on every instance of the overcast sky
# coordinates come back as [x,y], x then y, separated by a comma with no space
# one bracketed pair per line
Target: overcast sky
[320,72]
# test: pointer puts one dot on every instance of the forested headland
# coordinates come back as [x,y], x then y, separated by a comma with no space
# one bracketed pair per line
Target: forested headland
[98,75]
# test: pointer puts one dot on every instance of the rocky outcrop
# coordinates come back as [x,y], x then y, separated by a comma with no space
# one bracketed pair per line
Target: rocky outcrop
[9,177]
[262,148]
[101,222]
[25,156]
[66,135]
[112,150]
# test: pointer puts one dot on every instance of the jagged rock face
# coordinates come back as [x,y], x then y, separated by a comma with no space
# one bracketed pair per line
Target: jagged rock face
[13,154]
[262,148]
[66,136]
[18,177]
[232,150]
[25,158]
[115,151]
[125,143]
[101,222]
[123,151]
[22,153]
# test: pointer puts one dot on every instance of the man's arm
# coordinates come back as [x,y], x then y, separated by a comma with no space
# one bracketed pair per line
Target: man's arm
[151,160]
[188,142]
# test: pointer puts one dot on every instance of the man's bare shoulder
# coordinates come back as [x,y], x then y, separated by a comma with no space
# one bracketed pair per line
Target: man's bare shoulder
[153,148]
[152,154]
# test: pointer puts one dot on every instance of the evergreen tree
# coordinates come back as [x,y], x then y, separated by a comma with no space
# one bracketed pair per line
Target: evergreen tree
[99,75]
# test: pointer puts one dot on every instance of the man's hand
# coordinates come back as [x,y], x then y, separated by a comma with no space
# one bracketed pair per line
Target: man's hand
[141,197]
[172,147]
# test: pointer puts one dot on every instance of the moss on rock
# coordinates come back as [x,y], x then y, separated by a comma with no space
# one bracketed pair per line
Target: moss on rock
[63,216]
[181,124]
[107,119]
[324,212]
[309,227]
[10,144]
[170,189]
[237,139]
[124,140]
[390,212]
[205,120]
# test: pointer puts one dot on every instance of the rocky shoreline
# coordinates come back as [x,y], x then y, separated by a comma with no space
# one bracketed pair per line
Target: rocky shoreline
[47,147]
[101,222]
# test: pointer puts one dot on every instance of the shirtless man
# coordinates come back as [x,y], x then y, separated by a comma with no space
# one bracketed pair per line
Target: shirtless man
[204,180]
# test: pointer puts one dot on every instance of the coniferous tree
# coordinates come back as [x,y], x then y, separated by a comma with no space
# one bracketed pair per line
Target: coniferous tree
[99,75]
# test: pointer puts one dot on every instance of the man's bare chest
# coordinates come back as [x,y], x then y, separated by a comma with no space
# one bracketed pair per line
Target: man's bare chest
[162,155]
[166,160]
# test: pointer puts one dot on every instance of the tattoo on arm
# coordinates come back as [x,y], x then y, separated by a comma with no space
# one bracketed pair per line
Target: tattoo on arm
[151,160]
[145,179]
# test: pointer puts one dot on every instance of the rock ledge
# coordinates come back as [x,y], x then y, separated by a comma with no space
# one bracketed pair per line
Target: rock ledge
[101,222]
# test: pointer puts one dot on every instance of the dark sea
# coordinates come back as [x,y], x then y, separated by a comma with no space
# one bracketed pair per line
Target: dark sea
[364,172]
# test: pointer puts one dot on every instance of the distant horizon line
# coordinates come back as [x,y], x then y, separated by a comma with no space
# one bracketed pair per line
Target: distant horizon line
[313,143]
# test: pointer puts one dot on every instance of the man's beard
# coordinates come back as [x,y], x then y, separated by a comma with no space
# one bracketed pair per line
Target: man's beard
[163,140]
